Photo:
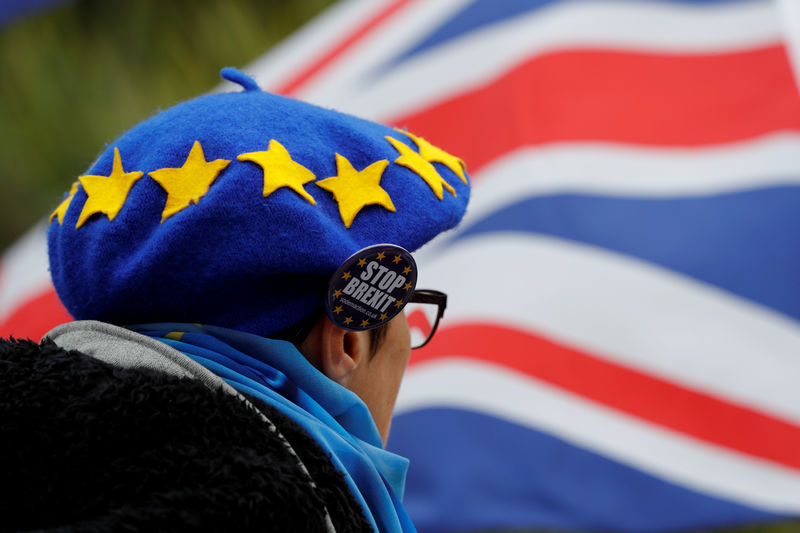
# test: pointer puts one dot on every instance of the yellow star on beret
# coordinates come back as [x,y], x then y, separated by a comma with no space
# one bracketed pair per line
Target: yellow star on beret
[61,210]
[189,183]
[280,170]
[354,189]
[435,154]
[423,168]
[107,194]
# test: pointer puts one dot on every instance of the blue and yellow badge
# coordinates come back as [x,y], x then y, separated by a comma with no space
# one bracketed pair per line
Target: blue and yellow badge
[371,287]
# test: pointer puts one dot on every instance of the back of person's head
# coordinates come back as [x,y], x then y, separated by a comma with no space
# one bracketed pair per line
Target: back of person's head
[239,211]
[235,209]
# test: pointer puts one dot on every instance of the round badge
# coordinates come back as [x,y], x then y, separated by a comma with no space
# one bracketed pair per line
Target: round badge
[371,287]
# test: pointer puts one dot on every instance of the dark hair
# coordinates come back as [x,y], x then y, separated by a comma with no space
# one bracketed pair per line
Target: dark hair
[297,332]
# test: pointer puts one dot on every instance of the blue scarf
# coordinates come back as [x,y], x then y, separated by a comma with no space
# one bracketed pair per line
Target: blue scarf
[275,372]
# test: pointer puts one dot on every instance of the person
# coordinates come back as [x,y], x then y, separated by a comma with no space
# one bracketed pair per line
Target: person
[238,266]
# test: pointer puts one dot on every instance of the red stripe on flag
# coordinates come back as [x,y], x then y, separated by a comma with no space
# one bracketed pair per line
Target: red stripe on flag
[35,317]
[295,83]
[646,99]
[635,393]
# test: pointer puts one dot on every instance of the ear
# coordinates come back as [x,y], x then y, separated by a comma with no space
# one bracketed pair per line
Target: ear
[340,351]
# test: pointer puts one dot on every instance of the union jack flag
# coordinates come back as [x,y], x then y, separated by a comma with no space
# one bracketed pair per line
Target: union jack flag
[622,340]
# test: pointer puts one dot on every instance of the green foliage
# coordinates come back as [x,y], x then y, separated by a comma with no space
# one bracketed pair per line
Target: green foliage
[76,77]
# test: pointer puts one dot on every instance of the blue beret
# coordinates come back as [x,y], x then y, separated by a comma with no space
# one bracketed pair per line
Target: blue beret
[234,209]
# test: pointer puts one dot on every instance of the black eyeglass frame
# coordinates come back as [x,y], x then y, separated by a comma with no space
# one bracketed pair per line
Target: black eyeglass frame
[430,296]
[297,333]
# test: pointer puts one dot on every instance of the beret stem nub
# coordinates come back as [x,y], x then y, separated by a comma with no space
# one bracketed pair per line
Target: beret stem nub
[237,76]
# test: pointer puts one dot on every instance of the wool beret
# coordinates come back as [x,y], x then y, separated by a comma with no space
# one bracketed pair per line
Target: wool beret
[234,209]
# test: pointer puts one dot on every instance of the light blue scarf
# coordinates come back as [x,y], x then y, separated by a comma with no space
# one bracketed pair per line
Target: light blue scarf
[275,372]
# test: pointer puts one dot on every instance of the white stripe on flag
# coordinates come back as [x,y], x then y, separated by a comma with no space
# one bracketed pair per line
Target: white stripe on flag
[620,170]
[672,456]
[311,42]
[626,311]
[24,273]
[790,17]
[352,68]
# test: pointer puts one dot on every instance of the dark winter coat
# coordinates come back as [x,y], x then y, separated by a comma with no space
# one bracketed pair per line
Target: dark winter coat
[90,446]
